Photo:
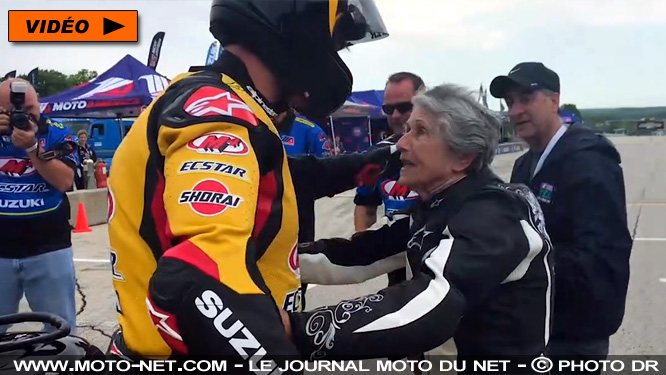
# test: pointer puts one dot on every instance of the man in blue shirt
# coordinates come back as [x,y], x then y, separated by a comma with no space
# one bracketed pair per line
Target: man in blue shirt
[301,136]
[36,168]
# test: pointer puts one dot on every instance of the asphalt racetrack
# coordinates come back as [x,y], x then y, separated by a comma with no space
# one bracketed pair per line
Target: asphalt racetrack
[644,163]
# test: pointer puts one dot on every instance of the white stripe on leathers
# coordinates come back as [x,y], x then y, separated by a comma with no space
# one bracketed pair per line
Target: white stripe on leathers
[427,300]
[318,269]
[536,247]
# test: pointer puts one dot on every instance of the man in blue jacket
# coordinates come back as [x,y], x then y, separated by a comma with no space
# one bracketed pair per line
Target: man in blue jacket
[577,177]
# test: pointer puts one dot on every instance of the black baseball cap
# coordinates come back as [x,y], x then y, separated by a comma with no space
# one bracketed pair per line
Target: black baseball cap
[527,75]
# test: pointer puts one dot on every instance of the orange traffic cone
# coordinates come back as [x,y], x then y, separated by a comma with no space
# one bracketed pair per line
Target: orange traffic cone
[82,220]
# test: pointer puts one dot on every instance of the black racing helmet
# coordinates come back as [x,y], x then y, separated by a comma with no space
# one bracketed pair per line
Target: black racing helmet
[299,41]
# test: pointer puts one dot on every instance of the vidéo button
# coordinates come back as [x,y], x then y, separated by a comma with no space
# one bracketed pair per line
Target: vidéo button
[73,26]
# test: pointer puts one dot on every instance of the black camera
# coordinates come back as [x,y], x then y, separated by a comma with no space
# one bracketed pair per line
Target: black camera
[18,117]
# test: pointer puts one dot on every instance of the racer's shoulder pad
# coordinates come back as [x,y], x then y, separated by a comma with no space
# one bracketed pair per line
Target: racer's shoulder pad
[203,97]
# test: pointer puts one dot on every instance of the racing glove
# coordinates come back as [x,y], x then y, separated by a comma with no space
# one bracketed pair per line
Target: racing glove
[316,178]
[381,162]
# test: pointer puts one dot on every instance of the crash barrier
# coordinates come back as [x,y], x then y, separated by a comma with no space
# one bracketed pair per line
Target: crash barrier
[506,148]
[97,205]
[95,202]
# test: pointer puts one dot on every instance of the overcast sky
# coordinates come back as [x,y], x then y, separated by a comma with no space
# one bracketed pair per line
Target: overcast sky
[608,53]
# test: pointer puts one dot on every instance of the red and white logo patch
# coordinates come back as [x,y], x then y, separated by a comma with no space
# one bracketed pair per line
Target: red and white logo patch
[209,198]
[213,101]
[219,143]
[14,167]
[293,262]
[395,191]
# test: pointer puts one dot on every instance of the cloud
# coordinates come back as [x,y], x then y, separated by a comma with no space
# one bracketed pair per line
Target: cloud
[613,12]
[446,23]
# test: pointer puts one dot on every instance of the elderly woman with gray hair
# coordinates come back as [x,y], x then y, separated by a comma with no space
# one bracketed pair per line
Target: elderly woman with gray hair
[479,259]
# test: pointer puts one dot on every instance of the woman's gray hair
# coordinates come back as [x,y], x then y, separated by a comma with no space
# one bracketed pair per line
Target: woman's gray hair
[465,125]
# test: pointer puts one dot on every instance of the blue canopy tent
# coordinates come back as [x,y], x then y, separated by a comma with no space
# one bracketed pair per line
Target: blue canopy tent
[350,127]
[372,97]
[379,125]
[122,91]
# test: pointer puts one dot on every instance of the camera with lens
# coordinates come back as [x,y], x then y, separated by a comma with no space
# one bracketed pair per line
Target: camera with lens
[18,117]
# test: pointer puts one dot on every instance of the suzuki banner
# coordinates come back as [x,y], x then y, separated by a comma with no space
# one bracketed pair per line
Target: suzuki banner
[212,55]
[155,48]
[11,74]
[33,76]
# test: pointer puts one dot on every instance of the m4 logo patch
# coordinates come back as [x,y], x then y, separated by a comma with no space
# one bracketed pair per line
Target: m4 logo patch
[14,167]
[218,143]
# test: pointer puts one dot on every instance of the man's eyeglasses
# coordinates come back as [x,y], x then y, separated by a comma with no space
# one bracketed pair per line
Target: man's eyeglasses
[401,107]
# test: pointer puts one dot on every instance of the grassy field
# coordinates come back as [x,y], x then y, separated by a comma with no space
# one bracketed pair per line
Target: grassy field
[619,114]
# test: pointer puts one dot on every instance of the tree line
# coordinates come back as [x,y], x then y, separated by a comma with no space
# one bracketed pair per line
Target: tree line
[50,81]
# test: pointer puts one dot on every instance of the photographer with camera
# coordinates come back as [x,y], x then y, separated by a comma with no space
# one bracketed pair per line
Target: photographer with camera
[37,163]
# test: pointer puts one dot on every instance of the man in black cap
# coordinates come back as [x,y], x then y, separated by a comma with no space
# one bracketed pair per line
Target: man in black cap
[576,176]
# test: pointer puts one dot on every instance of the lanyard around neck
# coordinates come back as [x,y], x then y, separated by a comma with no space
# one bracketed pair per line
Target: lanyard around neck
[549,148]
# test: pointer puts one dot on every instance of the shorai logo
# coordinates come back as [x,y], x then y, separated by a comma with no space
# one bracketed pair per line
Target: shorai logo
[209,198]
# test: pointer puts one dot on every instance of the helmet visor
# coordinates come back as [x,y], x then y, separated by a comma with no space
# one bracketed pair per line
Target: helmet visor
[355,21]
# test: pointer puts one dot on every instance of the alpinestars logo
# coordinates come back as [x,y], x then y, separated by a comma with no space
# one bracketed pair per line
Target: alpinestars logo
[213,101]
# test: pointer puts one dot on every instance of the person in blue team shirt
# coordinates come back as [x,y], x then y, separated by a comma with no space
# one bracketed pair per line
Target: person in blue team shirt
[301,136]
[400,89]
[36,168]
